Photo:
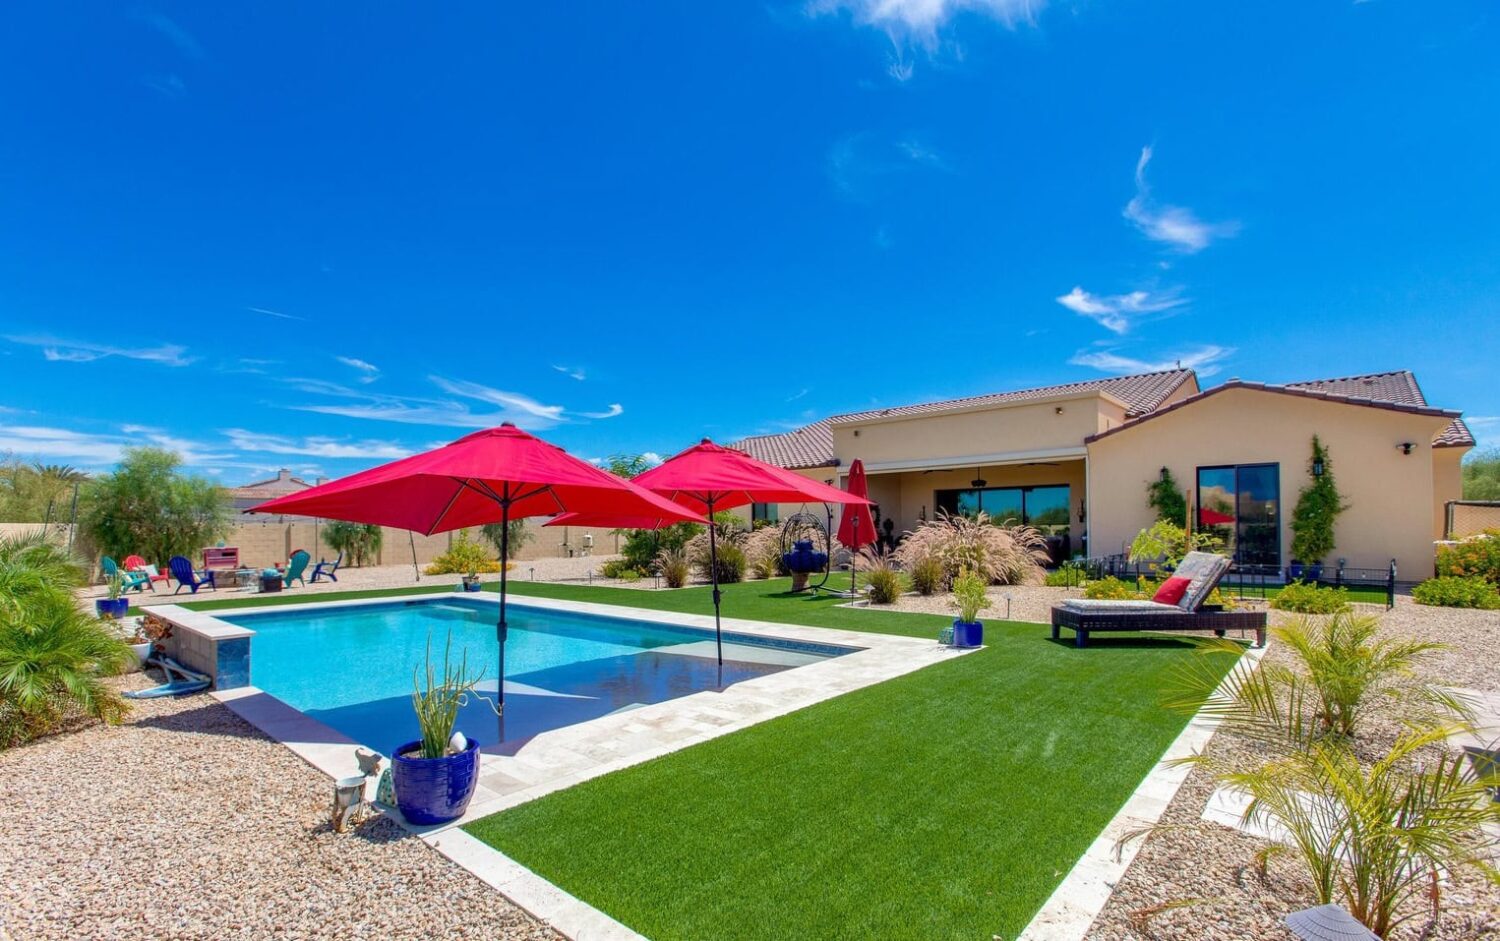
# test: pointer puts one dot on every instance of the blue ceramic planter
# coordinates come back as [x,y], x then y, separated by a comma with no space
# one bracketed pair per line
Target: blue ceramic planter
[966,634]
[112,607]
[434,790]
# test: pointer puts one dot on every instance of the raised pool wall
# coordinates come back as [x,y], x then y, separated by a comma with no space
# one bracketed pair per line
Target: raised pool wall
[208,645]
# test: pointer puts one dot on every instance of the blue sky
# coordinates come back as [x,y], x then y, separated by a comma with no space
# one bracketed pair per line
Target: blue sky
[318,236]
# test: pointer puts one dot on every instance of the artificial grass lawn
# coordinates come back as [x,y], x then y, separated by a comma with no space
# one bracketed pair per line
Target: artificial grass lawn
[947,803]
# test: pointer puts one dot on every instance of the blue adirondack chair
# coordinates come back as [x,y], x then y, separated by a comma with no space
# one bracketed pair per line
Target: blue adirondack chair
[133,581]
[188,577]
[326,569]
[295,566]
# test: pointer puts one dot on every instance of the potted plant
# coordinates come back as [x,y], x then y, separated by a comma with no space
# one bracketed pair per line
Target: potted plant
[471,581]
[435,775]
[149,631]
[114,605]
[970,598]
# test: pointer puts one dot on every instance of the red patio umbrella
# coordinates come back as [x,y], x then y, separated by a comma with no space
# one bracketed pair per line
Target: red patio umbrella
[857,528]
[708,478]
[490,476]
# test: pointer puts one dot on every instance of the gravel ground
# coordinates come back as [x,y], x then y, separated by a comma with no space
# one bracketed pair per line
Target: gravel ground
[1201,881]
[186,823]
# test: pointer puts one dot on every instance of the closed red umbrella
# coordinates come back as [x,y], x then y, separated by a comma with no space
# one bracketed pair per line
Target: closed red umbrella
[857,528]
[708,478]
[490,476]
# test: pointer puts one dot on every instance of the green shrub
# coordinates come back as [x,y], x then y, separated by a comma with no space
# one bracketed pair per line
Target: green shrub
[731,567]
[619,568]
[1477,557]
[926,575]
[464,557]
[1318,508]
[1167,499]
[629,575]
[643,546]
[1482,475]
[1450,591]
[1067,575]
[53,655]
[674,567]
[1110,588]
[1165,543]
[494,534]
[1311,599]
[882,579]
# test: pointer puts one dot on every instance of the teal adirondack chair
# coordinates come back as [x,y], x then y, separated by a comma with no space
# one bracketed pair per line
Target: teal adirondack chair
[134,581]
[295,566]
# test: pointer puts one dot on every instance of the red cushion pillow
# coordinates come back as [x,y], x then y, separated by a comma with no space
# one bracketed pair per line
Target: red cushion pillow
[1172,590]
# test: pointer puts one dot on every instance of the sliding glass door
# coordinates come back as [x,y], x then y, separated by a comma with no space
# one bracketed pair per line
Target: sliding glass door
[1047,507]
[1241,504]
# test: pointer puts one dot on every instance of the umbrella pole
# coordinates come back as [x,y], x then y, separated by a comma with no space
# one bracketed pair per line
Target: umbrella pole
[713,575]
[854,559]
[504,563]
[411,537]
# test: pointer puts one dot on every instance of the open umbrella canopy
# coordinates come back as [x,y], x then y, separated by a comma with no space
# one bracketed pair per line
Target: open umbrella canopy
[709,478]
[465,483]
[857,528]
[491,476]
[614,520]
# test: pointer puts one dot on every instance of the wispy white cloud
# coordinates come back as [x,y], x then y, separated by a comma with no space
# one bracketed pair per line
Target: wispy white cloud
[102,448]
[614,409]
[510,401]
[169,85]
[314,446]
[1175,226]
[572,372]
[795,396]
[275,313]
[168,27]
[921,21]
[370,372]
[855,162]
[1205,359]
[85,351]
[1115,312]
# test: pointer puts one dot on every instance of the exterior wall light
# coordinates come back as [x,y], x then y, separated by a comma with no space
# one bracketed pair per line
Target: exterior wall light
[1317,468]
[1406,446]
[1057,411]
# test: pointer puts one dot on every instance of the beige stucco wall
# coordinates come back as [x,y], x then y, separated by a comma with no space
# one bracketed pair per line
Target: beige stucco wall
[1391,495]
[1447,484]
[1056,423]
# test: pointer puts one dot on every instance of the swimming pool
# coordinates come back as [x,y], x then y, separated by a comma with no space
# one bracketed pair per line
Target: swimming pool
[350,666]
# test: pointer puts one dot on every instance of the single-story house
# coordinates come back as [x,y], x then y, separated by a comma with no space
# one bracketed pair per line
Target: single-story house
[257,492]
[1075,460]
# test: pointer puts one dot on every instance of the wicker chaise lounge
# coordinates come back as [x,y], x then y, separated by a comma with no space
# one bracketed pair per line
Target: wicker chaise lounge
[1178,606]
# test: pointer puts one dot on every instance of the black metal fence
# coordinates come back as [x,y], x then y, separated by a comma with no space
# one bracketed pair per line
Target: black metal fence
[1247,582]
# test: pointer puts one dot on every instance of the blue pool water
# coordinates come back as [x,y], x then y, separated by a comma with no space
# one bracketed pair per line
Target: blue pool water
[350,666]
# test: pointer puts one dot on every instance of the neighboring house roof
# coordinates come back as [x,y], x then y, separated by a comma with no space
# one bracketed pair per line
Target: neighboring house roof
[808,446]
[1397,391]
[812,445]
[1400,387]
[1140,393]
[282,483]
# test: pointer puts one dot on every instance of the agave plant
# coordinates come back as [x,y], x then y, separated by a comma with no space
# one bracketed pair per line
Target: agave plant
[53,658]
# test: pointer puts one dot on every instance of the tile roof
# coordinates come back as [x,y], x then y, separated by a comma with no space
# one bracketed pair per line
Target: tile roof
[1399,387]
[812,445]
[1397,391]
[1140,393]
[808,446]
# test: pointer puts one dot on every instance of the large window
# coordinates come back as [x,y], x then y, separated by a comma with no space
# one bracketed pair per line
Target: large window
[1241,504]
[763,513]
[1047,508]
